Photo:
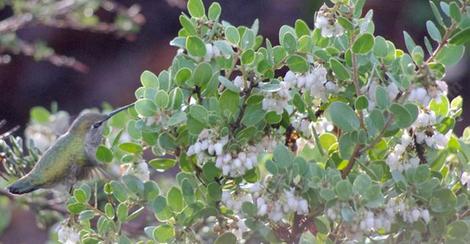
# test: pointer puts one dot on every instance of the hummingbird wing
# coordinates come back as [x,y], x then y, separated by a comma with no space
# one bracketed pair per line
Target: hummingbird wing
[93,169]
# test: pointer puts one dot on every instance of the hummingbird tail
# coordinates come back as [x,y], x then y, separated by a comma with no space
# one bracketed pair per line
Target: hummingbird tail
[22,186]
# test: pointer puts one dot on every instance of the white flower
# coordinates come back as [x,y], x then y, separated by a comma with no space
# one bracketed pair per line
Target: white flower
[41,136]
[67,234]
[419,95]
[141,170]
[277,101]
[425,215]
[465,179]
[326,22]
[239,82]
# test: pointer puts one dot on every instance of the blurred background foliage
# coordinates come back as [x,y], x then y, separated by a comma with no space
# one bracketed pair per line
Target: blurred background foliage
[114,64]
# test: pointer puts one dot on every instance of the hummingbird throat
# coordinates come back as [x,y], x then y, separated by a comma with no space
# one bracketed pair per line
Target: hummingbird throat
[111,114]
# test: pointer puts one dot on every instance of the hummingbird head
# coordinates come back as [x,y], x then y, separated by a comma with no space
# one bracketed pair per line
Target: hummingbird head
[85,121]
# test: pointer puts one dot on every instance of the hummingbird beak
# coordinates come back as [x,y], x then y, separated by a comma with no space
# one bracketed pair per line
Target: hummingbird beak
[111,114]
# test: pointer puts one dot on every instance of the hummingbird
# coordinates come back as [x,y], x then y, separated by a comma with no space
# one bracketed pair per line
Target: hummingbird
[71,158]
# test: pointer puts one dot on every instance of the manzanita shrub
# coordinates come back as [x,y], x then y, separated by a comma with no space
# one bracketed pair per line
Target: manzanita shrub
[332,136]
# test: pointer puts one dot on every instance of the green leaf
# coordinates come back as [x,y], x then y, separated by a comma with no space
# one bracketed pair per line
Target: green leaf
[195,46]
[229,101]
[450,54]
[433,31]
[187,190]
[86,215]
[380,47]
[248,56]
[162,99]
[401,115]
[254,113]
[461,37]
[454,11]
[81,195]
[361,184]
[229,84]
[232,35]
[343,189]
[145,107]
[224,47]
[199,113]
[283,156]
[177,118]
[202,74]
[338,68]
[187,25]
[149,79]
[162,164]
[176,98]
[458,229]
[248,40]
[210,171]
[109,210]
[343,116]
[196,8]
[327,194]
[164,232]
[226,238]
[410,44]
[363,44]
[131,147]
[361,102]
[301,28]
[382,98]
[104,154]
[437,14]
[297,63]
[183,75]
[122,211]
[214,191]
[75,208]
[443,200]
[214,11]
[118,190]
[175,199]
[289,42]
[345,23]
[373,196]
[151,190]
[39,115]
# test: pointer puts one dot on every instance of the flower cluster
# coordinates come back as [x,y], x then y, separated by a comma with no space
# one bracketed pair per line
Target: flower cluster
[286,203]
[397,158]
[211,52]
[240,82]
[302,124]
[423,95]
[235,200]
[367,220]
[314,82]
[237,163]
[465,180]
[409,213]
[140,170]
[371,89]
[43,135]
[327,23]
[67,234]
[207,142]
[426,133]
[233,163]
[277,101]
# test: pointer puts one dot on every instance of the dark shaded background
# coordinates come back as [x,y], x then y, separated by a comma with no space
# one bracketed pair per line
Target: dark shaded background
[116,64]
